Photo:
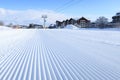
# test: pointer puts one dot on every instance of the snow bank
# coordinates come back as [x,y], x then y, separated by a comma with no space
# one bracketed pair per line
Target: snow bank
[4,28]
[71,27]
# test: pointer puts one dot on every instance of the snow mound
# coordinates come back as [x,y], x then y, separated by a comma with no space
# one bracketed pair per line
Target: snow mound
[71,27]
[4,28]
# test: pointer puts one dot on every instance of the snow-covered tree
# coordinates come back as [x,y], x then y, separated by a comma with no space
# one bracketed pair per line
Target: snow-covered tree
[102,22]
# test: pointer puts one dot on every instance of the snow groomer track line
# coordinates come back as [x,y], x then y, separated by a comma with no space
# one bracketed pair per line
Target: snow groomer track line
[59,55]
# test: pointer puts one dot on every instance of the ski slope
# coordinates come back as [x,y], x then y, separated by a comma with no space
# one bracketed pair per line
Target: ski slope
[59,55]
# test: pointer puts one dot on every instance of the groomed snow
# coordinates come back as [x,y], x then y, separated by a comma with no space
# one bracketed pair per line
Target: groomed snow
[59,55]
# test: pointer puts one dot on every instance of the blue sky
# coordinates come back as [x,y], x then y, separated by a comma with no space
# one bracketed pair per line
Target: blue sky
[91,9]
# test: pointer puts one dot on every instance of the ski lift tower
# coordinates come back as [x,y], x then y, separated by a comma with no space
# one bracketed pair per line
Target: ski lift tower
[44,19]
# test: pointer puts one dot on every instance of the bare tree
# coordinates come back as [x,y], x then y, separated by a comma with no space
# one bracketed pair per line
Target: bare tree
[102,22]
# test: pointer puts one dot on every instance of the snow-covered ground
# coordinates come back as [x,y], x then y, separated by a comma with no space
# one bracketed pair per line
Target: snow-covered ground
[61,54]
[4,28]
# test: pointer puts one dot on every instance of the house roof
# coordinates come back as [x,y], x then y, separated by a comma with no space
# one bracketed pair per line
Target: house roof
[83,18]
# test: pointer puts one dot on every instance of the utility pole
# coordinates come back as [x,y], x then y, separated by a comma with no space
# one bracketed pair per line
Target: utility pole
[44,19]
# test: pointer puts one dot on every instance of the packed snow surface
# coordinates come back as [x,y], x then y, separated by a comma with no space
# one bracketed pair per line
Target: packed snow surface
[59,55]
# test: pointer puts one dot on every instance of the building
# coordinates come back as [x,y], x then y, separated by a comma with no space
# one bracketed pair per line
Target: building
[83,22]
[58,24]
[67,22]
[116,20]
[52,26]
[35,26]
[63,24]
[72,21]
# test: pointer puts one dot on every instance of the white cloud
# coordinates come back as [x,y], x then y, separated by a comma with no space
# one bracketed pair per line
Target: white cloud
[29,16]
[34,16]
